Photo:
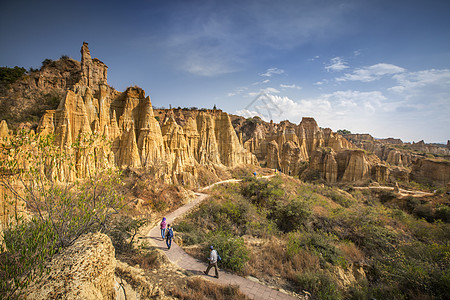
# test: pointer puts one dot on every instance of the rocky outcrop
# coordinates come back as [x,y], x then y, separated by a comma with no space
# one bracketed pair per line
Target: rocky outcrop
[84,270]
[124,132]
[4,131]
[93,71]
[431,171]
[348,166]
[324,161]
[287,146]
[394,151]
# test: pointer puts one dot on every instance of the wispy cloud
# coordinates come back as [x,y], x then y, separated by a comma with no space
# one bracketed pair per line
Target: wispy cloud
[371,73]
[261,82]
[421,79]
[268,90]
[271,71]
[290,86]
[314,58]
[237,91]
[336,64]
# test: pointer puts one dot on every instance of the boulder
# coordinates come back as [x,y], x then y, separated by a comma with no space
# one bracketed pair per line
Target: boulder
[84,270]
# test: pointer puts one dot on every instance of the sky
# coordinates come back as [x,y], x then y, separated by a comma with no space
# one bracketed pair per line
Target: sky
[369,66]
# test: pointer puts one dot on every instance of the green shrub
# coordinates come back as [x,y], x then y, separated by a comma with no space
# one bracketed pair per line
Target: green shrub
[260,191]
[122,232]
[321,244]
[443,213]
[291,216]
[11,75]
[310,175]
[25,249]
[191,234]
[340,198]
[320,284]
[386,196]
[232,250]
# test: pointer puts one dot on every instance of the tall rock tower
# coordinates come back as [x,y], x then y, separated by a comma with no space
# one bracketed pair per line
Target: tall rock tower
[93,71]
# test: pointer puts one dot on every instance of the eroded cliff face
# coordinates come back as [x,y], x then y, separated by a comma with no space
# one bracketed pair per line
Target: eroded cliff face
[348,166]
[289,147]
[408,161]
[431,171]
[120,129]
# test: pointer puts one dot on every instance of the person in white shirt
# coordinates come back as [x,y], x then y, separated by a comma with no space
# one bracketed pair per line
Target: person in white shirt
[212,262]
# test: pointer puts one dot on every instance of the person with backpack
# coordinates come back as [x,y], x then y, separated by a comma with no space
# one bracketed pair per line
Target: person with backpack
[213,258]
[163,228]
[169,236]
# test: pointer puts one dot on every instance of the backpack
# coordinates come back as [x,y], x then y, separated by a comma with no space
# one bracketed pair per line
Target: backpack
[218,257]
[169,233]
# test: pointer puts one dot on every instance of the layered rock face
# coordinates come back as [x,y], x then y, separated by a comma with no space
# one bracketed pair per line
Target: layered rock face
[351,165]
[288,147]
[84,270]
[394,151]
[431,171]
[406,161]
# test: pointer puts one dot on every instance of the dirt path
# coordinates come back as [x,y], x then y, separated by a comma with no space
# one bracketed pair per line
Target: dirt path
[177,256]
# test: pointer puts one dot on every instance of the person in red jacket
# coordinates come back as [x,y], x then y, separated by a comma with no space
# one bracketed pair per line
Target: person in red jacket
[163,228]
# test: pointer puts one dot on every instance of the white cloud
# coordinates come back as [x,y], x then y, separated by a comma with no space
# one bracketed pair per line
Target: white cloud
[237,91]
[314,58]
[290,86]
[371,73]
[268,90]
[422,79]
[261,82]
[336,64]
[269,72]
[333,107]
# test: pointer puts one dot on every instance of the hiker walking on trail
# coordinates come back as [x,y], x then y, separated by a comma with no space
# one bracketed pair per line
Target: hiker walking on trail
[213,257]
[169,236]
[163,228]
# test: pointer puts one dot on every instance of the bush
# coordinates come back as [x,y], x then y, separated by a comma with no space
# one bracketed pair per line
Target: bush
[321,244]
[191,234]
[320,284]
[11,75]
[293,215]
[339,198]
[386,196]
[122,232]
[443,213]
[260,191]
[231,249]
[310,175]
[25,249]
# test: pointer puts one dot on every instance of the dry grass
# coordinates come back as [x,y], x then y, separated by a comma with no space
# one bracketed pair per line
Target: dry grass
[198,289]
[272,263]
[351,252]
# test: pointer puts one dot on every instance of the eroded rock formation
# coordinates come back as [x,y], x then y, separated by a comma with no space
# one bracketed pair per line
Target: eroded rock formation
[84,270]
[126,133]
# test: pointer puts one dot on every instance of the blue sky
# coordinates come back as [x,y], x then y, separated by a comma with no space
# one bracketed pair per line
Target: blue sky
[369,66]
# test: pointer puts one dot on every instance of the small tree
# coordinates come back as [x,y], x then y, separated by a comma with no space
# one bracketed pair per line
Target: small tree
[344,131]
[34,170]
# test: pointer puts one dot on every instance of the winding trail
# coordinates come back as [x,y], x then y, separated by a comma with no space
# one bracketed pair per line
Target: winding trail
[179,257]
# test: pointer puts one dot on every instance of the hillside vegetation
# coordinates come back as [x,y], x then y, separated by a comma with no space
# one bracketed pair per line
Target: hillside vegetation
[331,243]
